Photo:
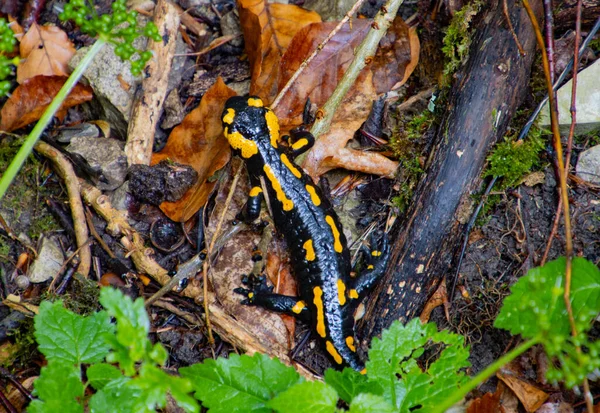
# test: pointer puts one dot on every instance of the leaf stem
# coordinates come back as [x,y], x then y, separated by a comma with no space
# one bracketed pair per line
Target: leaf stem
[27,147]
[460,393]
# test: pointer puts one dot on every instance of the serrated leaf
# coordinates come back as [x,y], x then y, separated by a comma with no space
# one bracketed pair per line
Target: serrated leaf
[307,397]
[59,389]
[116,396]
[247,383]
[64,335]
[99,375]
[536,306]
[370,403]
[392,362]
[130,345]
[350,383]
[154,384]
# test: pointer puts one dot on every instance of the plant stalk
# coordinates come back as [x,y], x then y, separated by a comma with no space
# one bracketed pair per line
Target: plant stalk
[460,393]
[15,166]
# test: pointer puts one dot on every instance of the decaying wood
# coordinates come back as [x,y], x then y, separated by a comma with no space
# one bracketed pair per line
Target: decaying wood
[148,106]
[485,95]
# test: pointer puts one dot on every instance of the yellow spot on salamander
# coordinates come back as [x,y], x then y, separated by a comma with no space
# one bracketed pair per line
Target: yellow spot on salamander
[310,251]
[256,102]
[318,301]
[350,343]
[341,287]
[337,245]
[376,253]
[313,195]
[334,353]
[300,143]
[353,294]
[370,267]
[255,191]
[250,295]
[237,141]
[273,126]
[287,203]
[363,371]
[300,305]
[229,116]
[290,166]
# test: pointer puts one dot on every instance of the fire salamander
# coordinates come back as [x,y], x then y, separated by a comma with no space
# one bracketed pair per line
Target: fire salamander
[328,293]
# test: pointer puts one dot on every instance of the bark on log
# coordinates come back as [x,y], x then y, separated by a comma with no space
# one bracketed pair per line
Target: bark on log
[485,95]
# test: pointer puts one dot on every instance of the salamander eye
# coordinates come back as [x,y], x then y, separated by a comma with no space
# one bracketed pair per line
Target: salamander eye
[256,102]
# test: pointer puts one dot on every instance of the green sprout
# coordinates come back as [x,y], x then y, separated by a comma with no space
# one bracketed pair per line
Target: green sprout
[7,44]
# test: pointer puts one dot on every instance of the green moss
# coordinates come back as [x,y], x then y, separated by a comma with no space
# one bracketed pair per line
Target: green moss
[511,160]
[457,40]
[25,346]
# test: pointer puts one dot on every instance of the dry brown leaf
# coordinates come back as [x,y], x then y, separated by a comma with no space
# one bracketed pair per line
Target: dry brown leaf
[30,99]
[487,404]
[440,297]
[198,142]
[268,31]
[330,151]
[46,50]
[530,396]
[396,57]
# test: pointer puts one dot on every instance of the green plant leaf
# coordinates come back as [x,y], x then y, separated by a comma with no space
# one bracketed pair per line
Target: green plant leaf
[307,397]
[393,363]
[59,388]
[99,375]
[349,383]
[536,306]
[536,309]
[64,335]
[370,403]
[118,396]
[247,383]
[154,384]
[130,345]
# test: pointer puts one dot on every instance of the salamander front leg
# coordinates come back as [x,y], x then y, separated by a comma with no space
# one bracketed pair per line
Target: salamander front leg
[252,209]
[260,294]
[378,259]
[301,140]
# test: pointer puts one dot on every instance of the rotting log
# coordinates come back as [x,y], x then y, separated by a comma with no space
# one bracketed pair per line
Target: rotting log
[486,92]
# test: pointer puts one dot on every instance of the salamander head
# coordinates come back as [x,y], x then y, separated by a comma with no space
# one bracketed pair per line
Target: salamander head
[247,124]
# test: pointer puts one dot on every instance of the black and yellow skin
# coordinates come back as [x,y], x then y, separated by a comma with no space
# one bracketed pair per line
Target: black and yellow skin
[328,295]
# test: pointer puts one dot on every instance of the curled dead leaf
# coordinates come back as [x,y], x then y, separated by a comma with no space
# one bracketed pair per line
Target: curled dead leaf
[45,50]
[268,32]
[199,142]
[30,99]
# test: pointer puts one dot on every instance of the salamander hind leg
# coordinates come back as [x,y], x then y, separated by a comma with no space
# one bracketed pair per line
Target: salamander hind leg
[377,262]
[259,294]
[300,141]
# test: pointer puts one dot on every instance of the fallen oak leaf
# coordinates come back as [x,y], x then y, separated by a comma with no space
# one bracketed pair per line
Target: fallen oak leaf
[198,142]
[268,31]
[31,98]
[530,396]
[45,50]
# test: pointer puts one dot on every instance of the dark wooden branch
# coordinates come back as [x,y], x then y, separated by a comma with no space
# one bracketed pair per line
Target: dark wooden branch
[484,97]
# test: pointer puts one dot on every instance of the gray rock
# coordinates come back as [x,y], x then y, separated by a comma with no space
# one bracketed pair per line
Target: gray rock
[48,262]
[588,102]
[104,155]
[588,165]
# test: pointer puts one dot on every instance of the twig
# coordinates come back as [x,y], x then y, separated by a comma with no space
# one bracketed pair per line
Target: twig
[320,47]
[66,172]
[363,55]
[211,340]
[563,187]
[549,32]
[148,106]
[511,28]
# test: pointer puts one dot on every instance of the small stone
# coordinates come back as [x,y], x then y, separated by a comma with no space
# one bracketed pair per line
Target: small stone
[588,165]
[588,102]
[48,262]
[534,178]
[104,155]
[22,282]
[165,181]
